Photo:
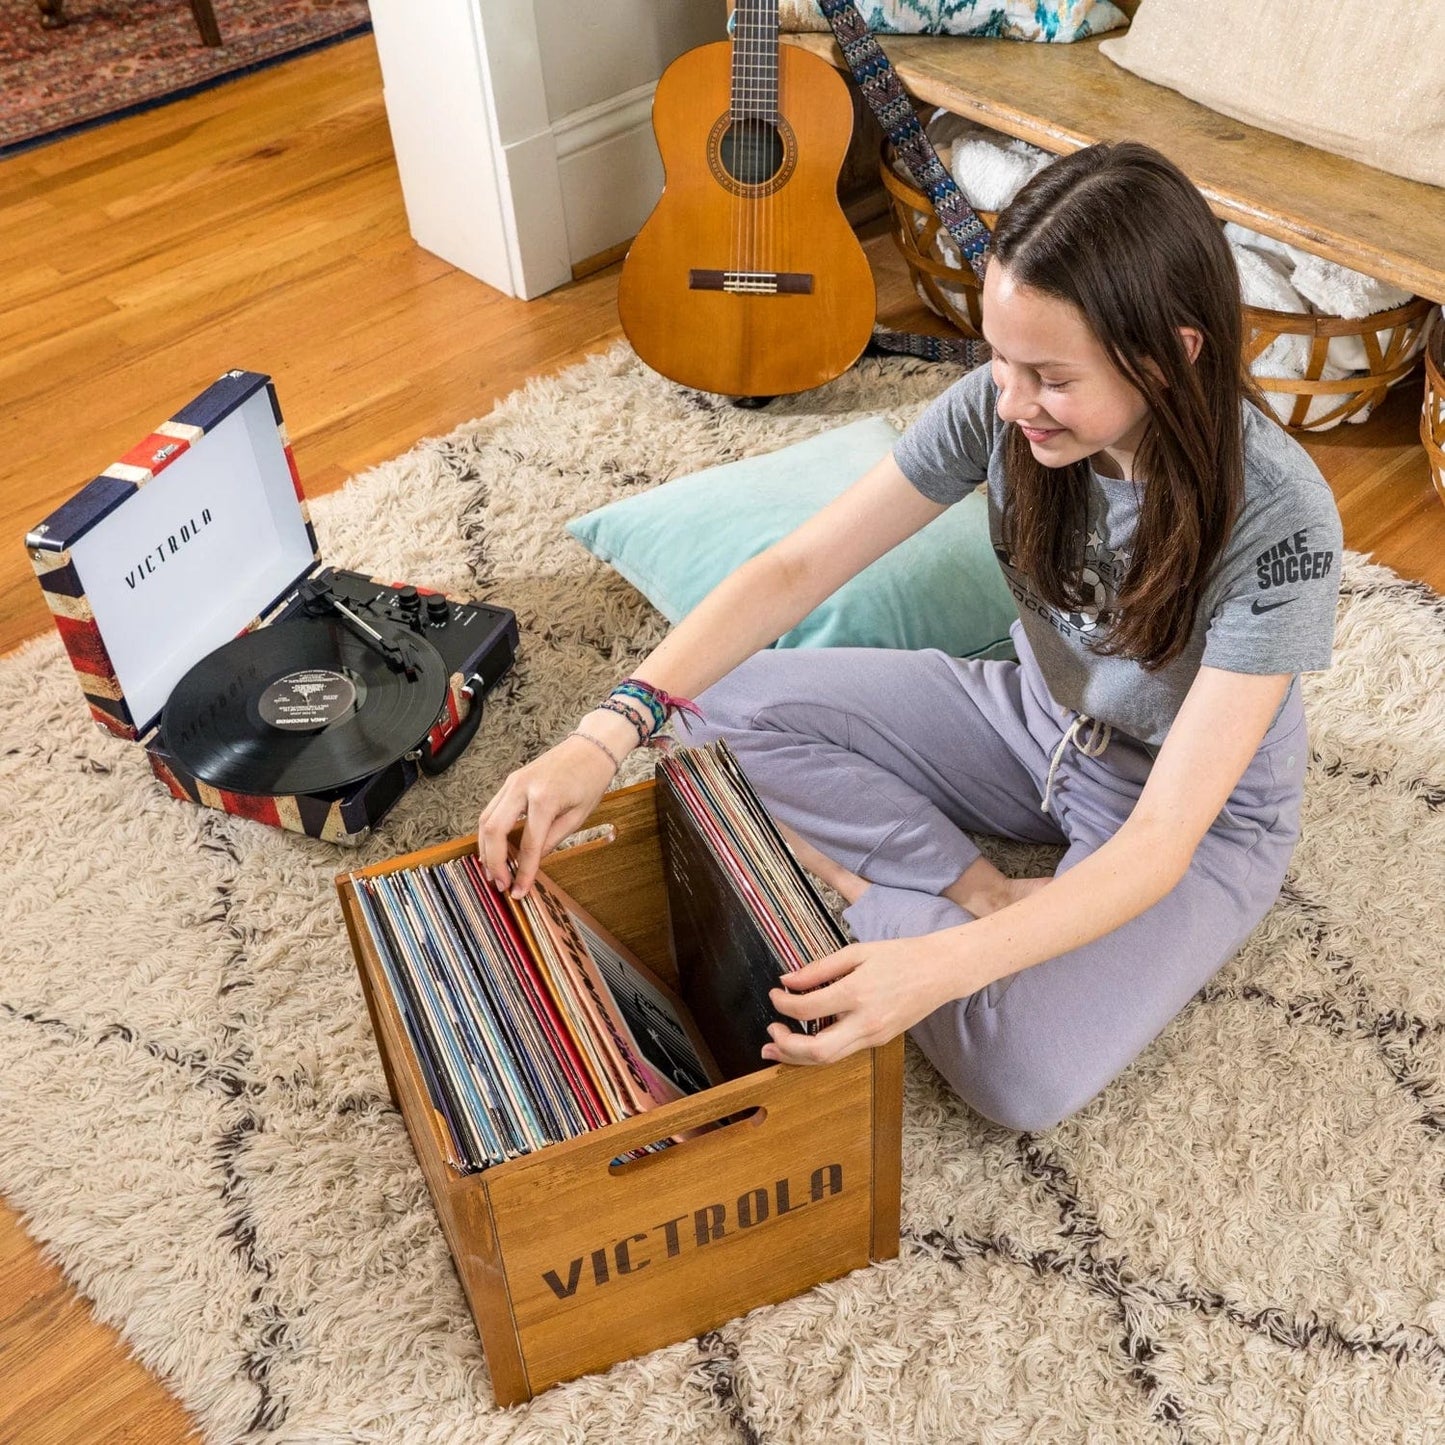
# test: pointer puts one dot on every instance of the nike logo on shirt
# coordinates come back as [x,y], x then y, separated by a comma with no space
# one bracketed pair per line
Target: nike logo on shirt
[1257,606]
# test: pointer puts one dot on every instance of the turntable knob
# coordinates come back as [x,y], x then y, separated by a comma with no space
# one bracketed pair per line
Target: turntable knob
[438,610]
[409,600]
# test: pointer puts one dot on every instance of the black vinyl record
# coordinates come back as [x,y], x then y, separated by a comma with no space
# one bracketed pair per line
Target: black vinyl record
[303,706]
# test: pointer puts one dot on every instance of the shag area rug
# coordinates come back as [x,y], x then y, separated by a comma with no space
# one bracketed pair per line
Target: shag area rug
[113,59]
[1242,1239]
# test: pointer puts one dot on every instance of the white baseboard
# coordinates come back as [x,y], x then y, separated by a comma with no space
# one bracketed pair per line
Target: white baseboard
[491,183]
[609,171]
[602,122]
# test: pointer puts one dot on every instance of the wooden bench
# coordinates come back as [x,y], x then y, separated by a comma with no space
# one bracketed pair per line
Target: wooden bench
[1064,97]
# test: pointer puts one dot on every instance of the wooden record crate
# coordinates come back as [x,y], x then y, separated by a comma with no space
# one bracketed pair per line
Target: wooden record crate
[572,1261]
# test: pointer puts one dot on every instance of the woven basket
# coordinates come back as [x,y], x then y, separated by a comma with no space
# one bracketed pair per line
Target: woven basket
[952,290]
[1432,414]
[1391,340]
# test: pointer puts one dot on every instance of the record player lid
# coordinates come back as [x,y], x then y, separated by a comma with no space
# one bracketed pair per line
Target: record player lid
[185,542]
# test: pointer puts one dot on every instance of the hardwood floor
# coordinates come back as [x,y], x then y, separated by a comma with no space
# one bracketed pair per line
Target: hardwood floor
[258,225]
[261,225]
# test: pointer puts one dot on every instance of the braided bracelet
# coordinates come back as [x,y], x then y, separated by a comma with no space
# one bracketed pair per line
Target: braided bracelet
[630,688]
[624,708]
[658,702]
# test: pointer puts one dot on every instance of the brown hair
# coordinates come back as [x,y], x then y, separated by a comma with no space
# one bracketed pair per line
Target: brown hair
[1121,234]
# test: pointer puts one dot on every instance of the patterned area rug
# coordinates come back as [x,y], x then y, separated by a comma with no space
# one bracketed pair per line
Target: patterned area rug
[114,59]
[1242,1239]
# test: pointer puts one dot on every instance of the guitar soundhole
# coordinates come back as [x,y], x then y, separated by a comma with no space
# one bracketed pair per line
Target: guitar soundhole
[752,158]
[752,152]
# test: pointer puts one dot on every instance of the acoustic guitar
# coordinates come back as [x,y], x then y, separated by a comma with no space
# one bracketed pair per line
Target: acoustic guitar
[747,279]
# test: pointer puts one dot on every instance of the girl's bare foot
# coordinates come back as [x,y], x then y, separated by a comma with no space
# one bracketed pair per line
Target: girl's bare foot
[1022,887]
[982,889]
[849,886]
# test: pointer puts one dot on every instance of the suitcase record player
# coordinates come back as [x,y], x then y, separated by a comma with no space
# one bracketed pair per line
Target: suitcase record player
[186,585]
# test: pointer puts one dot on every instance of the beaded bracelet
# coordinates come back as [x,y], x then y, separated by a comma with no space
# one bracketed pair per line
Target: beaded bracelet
[598,743]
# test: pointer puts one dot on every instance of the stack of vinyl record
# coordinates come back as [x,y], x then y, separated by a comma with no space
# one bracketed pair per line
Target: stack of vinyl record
[530,1022]
[743,910]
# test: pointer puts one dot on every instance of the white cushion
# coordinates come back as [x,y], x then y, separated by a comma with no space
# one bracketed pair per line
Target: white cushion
[1364,81]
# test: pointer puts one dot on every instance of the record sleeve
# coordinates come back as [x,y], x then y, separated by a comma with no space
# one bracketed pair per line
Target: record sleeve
[648,1024]
[551,1005]
[560,948]
[743,911]
[533,1023]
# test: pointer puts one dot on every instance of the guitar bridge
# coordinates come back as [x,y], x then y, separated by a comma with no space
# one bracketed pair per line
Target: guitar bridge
[752,283]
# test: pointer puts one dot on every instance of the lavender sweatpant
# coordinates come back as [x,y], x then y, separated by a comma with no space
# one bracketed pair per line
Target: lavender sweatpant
[882,759]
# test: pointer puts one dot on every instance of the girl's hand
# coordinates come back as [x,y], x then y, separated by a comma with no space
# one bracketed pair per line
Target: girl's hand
[554,793]
[875,990]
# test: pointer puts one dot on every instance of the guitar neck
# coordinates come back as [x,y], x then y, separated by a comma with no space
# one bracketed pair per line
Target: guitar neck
[755,60]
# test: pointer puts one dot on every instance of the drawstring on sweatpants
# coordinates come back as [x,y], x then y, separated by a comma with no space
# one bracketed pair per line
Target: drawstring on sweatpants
[1091,747]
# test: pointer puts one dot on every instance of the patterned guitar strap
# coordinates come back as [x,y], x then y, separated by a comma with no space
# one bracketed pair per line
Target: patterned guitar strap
[890,103]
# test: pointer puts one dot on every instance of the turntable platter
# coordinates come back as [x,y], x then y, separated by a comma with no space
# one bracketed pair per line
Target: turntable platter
[303,706]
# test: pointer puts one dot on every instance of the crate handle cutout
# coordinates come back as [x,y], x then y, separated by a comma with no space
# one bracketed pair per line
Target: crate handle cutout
[600,833]
[753,1117]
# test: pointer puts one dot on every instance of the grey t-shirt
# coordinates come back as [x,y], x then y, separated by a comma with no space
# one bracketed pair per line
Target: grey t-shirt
[1267,607]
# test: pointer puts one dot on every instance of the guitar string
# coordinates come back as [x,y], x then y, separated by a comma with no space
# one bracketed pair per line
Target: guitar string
[764,140]
[765,148]
[759,136]
[743,136]
[767,68]
[775,196]
[735,61]
[778,197]
[740,139]
[755,111]
[769,62]
[756,120]
[752,124]
[745,140]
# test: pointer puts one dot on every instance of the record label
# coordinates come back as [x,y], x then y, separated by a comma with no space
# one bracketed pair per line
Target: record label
[308,700]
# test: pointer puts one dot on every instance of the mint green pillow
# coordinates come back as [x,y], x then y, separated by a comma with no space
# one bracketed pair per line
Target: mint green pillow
[941,588]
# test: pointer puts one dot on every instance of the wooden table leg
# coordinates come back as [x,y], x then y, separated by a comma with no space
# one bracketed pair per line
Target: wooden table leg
[205,20]
[52,17]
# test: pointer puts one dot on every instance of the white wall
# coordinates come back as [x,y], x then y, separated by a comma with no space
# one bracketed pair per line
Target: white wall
[439,109]
[522,128]
[600,63]
[593,50]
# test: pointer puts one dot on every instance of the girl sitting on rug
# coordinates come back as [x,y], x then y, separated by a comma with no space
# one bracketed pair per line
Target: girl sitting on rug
[1175,559]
